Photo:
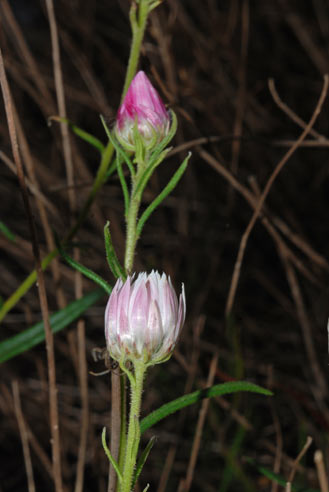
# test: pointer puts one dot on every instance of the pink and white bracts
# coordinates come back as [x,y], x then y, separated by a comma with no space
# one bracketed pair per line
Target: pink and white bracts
[141,109]
[143,318]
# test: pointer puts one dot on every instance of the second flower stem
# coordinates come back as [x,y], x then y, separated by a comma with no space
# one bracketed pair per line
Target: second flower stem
[133,436]
[138,24]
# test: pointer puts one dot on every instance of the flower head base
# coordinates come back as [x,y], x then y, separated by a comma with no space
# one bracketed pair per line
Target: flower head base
[141,112]
[143,319]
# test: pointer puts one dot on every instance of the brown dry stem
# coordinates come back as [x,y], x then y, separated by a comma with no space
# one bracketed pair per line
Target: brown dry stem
[267,188]
[54,422]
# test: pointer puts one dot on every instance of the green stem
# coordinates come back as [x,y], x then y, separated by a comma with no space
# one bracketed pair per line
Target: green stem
[131,233]
[123,422]
[138,24]
[138,28]
[133,437]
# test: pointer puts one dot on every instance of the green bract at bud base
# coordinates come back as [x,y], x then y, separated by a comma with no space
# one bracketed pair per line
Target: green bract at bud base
[143,112]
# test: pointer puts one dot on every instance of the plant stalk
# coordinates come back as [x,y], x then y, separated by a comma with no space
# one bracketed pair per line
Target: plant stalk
[138,24]
[133,436]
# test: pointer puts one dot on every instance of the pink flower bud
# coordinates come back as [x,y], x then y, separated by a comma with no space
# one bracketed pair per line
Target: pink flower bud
[143,318]
[142,106]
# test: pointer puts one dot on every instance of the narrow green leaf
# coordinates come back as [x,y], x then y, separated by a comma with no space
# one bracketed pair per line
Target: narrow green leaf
[166,140]
[34,335]
[124,156]
[84,270]
[7,232]
[111,256]
[119,150]
[111,170]
[124,186]
[144,178]
[87,137]
[154,5]
[120,157]
[196,396]
[164,193]
[142,459]
[109,455]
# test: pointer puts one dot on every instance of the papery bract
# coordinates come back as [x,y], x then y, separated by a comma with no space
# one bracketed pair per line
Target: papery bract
[143,318]
[142,110]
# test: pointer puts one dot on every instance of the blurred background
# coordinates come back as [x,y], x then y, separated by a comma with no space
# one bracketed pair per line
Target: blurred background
[244,79]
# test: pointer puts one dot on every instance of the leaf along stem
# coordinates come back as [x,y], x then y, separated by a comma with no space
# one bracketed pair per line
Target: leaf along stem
[191,398]
[111,256]
[86,271]
[109,455]
[164,193]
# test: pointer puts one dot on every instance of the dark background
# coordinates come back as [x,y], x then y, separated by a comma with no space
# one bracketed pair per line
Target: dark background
[211,62]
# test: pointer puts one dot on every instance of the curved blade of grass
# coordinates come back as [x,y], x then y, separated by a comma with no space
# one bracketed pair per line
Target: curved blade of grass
[84,270]
[7,232]
[109,455]
[196,396]
[87,137]
[275,477]
[35,334]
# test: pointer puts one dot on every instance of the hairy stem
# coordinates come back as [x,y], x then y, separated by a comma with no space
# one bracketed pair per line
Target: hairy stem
[133,436]
[138,24]
[131,237]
